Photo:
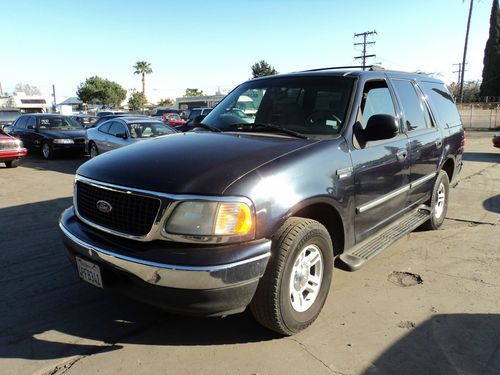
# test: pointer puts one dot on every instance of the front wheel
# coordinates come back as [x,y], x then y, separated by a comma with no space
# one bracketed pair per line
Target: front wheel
[93,150]
[297,280]
[47,151]
[438,202]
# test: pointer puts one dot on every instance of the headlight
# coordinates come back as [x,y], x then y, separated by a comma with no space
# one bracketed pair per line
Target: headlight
[62,141]
[197,218]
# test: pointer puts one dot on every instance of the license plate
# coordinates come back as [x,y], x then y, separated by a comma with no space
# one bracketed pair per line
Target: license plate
[89,272]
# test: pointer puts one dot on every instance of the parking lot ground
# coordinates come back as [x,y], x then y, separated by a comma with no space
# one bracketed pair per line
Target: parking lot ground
[375,321]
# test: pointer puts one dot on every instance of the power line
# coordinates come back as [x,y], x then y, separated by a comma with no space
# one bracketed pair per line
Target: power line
[365,44]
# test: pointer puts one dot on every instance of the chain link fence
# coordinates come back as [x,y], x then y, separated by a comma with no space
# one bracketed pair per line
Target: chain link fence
[479,116]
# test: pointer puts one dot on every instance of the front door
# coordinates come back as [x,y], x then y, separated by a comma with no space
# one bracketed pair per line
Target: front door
[381,168]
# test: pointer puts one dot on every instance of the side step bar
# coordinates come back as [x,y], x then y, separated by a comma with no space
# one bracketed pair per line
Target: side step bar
[358,255]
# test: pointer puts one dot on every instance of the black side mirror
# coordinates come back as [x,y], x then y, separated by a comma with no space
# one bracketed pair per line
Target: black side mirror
[381,127]
[198,119]
[121,135]
[32,127]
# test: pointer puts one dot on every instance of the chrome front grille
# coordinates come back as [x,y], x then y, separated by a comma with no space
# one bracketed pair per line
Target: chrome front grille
[130,214]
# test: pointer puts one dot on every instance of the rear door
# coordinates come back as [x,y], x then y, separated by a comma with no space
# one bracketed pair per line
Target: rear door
[381,168]
[425,139]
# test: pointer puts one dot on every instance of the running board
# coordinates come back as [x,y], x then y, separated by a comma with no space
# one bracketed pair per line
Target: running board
[357,256]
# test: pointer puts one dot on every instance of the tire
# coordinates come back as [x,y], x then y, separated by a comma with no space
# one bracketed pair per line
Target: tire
[438,202]
[12,163]
[93,151]
[47,151]
[277,302]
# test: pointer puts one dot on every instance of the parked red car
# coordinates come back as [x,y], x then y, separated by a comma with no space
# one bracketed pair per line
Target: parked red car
[11,150]
[496,140]
[173,119]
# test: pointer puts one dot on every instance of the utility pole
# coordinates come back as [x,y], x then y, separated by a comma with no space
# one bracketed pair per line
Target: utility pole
[54,93]
[459,71]
[364,43]
[1,89]
[465,52]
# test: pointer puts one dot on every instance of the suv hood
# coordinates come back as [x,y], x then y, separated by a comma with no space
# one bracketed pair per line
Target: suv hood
[188,163]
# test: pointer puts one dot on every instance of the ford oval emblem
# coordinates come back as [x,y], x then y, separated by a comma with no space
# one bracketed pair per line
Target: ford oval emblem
[104,207]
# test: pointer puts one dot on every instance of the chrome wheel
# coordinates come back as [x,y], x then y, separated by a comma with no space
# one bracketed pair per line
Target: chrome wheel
[306,278]
[46,150]
[440,201]
[93,151]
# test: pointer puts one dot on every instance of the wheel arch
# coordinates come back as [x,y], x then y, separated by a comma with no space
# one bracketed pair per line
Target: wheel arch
[323,211]
[449,167]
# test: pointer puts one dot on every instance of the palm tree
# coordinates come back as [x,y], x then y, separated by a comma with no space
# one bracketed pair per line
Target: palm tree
[143,68]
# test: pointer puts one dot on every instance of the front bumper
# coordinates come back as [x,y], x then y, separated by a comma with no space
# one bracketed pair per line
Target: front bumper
[203,285]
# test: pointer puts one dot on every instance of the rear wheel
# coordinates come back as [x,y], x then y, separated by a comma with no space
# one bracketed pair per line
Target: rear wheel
[12,163]
[294,288]
[438,201]
[93,151]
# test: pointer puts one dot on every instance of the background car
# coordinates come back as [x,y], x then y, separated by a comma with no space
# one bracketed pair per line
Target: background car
[496,140]
[7,117]
[11,150]
[195,112]
[107,113]
[173,119]
[101,119]
[85,120]
[159,112]
[123,131]
[50,134]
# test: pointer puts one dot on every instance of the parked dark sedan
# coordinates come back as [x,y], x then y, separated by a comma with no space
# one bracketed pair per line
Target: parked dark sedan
[50,134]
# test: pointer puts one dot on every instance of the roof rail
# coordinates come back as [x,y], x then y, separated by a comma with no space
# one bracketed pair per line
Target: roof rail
[371,67]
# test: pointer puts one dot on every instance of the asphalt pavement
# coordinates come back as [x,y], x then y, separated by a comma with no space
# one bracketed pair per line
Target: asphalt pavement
[429,304]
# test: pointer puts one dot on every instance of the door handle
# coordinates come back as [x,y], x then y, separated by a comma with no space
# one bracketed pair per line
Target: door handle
[402,154]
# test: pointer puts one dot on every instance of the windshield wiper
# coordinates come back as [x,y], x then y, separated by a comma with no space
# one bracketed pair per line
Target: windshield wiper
[269,126]
[208,127]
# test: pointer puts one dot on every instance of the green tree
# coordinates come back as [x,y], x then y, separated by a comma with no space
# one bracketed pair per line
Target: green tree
[470,91]
[97,90]
[137,100]
[193,92]
[262,69]
[143,68]
[167,102]
[491,69]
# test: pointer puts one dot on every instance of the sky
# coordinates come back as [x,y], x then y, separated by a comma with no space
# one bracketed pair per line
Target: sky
[211,45]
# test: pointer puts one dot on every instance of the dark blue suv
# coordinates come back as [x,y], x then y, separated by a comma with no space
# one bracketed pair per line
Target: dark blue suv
[253,212]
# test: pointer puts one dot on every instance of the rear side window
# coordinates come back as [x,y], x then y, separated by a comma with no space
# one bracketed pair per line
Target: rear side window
[21,123]
[413,108]
[105,127]
[442,104]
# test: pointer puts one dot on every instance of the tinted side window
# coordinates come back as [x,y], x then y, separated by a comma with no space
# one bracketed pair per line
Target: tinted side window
[376,100]
[31,122]
[442,104]
[413,107]
[105,127]
[116,128]
[21,123]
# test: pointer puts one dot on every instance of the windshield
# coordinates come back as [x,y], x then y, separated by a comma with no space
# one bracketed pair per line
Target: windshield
[305,105]
[53,122]
[9,115]
[148,129]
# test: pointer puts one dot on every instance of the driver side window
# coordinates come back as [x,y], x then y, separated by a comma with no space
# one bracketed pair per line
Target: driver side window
[376,100]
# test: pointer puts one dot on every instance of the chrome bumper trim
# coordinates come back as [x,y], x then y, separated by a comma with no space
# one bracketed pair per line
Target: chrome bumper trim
[173,276]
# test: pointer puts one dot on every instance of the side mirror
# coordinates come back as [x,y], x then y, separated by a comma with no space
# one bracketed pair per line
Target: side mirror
[121,135]
[198,119]
[381,127]
[32,127]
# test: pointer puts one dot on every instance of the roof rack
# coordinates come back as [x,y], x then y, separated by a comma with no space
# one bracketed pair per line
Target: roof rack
[371,67]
